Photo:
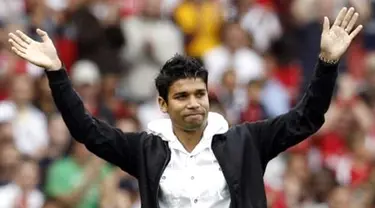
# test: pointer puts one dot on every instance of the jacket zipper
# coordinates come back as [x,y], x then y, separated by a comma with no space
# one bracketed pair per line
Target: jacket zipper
[161,173]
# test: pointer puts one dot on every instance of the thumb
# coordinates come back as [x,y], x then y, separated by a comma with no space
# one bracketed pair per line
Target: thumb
[326,25]
[42,34]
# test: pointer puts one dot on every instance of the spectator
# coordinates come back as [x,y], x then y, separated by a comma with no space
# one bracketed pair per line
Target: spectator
[233,53]
[354,169]
[59,144]
[29,123]
[255,110]
[231,96]
[152,39]
[275,96]
[74,180]
[12,11]
[319,188]
[260,21]
[112,106]
[98,35]
[119,190]
[200,21]
[23,192]
[86,79]
[9,161]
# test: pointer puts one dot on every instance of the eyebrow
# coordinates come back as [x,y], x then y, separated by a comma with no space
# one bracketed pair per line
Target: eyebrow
[183,93]
[180,94]
[201,90]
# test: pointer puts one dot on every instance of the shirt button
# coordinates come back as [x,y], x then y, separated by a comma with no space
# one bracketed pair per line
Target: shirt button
[191,156]
[195,200]
[219,169]
[192,177]
[163,177]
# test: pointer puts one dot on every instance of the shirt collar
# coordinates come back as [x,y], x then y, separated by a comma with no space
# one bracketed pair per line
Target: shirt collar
[216,124]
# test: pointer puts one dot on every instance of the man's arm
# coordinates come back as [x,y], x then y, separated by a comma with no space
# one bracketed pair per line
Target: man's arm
[276,135]
[106,142]
[100,138]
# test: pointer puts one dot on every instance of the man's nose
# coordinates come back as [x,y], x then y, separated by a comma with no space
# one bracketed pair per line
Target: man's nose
[193,103]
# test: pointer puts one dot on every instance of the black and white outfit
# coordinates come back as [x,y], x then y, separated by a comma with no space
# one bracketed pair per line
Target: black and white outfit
[224,170]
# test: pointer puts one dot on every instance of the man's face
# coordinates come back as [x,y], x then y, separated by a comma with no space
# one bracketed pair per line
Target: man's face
[235,37]
[187,104]
[9,157]
[22,89]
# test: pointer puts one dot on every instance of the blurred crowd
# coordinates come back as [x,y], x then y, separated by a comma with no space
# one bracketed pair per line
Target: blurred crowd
[260,55]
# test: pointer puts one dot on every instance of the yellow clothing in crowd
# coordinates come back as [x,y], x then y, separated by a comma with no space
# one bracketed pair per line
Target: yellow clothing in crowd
[202,22]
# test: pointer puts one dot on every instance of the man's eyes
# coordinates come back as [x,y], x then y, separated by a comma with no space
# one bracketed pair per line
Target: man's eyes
[201,94]
[181,97]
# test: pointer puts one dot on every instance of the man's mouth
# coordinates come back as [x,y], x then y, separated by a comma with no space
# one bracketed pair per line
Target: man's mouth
[194,115]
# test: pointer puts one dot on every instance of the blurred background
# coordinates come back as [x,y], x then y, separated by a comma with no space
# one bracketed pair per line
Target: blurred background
[260,55]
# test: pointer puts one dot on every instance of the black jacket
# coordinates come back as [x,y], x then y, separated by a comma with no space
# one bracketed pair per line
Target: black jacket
[242,152]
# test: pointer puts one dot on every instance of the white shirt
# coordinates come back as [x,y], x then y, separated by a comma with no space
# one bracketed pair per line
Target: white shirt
[263,24]
[165,40]
[10,194]
[29,127]
[247,64]
[192,179]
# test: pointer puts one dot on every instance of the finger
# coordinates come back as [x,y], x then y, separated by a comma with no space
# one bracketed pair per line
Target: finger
[325,25]
[17,46]
[42,35]
[19,53]
[340,16]
[355,32]
[347,17]
[352,22]
[18,40]
[24,37]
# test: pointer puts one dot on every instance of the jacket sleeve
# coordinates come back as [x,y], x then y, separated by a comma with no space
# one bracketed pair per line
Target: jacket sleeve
[275,135]
[105,141]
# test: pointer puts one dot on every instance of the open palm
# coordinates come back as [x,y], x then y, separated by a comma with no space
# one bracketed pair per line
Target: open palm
[336,40]
[42,54]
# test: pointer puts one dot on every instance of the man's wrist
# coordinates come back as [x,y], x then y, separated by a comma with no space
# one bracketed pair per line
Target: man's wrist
[56,65]
[328,59]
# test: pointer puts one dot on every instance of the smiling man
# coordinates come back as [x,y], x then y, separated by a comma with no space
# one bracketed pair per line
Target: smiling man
[193,159]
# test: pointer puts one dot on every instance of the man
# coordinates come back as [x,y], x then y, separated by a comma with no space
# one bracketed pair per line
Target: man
[193,159]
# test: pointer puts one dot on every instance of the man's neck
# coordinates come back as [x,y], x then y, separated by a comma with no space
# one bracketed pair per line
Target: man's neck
[188,139]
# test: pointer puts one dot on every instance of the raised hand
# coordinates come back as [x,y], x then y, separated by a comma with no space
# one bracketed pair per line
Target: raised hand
[42,54]
[335,40]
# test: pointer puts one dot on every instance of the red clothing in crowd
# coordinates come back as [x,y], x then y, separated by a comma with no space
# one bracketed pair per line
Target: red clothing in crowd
[359,175]
[67,51]
[290,76]
[254,112]
[19,68]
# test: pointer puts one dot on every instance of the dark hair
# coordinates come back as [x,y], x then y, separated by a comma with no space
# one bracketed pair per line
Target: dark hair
[178,67]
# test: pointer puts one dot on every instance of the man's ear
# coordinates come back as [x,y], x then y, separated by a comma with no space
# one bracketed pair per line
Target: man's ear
[163,104]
